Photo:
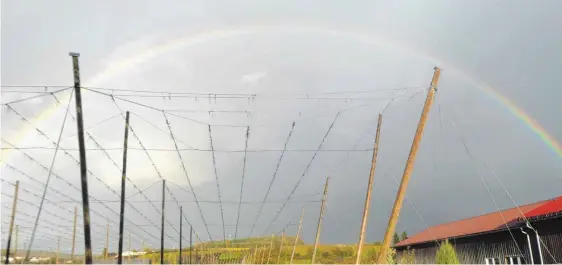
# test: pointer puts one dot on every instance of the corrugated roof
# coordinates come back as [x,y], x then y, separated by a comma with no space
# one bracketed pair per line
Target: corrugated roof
[552,206]
[479,224]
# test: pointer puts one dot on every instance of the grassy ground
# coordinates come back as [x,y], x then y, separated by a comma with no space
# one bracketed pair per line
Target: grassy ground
[254,250]
[257,250]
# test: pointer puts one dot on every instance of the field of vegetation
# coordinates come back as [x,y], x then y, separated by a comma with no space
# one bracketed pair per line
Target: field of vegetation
[258,251]
[264,250]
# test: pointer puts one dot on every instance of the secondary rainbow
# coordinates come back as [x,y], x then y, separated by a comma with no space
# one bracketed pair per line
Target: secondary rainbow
[119,66]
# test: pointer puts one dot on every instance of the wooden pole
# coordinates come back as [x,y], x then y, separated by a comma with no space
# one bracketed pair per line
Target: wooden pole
[319,227]
[297,237]
[261,255]
[181,221]
[254,257]
[17,237]
[14,204]
[74,234]
[408,169]
[270,248]
[83,167]
[58,251]
[197,252]
[264,252]
[24,247]
[162,229]
[281,245]
[190,243]
[369,192]
[129,256]
[123,183]
[107,242]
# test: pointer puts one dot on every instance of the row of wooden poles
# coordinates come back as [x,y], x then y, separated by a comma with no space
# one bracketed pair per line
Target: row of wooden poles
[85,195]
[106,253]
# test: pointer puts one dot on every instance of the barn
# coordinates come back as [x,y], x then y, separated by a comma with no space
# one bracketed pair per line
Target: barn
[528,234]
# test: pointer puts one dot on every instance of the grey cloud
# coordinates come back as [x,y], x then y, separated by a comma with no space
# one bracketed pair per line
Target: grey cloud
[511,46]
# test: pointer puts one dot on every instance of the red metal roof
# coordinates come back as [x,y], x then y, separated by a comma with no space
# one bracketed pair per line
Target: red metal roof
[552,206]
[483,223]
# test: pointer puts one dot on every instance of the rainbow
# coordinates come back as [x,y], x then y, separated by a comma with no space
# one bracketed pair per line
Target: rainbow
[121,65]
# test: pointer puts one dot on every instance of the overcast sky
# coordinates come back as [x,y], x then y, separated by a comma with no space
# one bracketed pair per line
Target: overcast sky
[293,56]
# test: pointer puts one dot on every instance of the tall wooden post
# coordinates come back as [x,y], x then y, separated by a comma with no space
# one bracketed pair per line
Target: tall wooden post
[106,242]
[163,216]
[58,251]
[123,182]
[73,235]
[281,245]
[270,248]
[408,169]
[83,167]
[24,247]
[197,252]
[129,256]
[255,255]
[260,255]
[181,221]
[17,239]
[319,227]
[264,252]
[190,243]
[14,204]
[297,237]
[369,191]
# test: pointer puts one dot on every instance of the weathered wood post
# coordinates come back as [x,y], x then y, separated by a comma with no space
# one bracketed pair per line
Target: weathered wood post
[163,219]
[408,169]
[83,167]
[281,245]
[319,227]
[369,191]
[129,256]
[197,260]
[73,235]
[17,237]
[106,242]
[14,204]
[270,248]
[255,255]
[123,182]
[190,243]
[297,237]
[181,220]
[58,251]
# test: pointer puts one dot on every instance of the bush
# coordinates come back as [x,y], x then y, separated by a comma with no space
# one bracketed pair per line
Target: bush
[407,257]
[391,256]
[446,254]
[369,255]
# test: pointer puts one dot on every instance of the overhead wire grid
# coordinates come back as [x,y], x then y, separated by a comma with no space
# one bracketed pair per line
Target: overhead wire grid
[142,234]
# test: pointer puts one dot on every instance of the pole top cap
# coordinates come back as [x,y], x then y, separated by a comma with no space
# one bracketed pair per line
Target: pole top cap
[74,54]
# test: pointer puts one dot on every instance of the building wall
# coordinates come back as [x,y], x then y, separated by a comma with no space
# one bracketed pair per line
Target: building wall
[509,243]
[550,232]
[475,249]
